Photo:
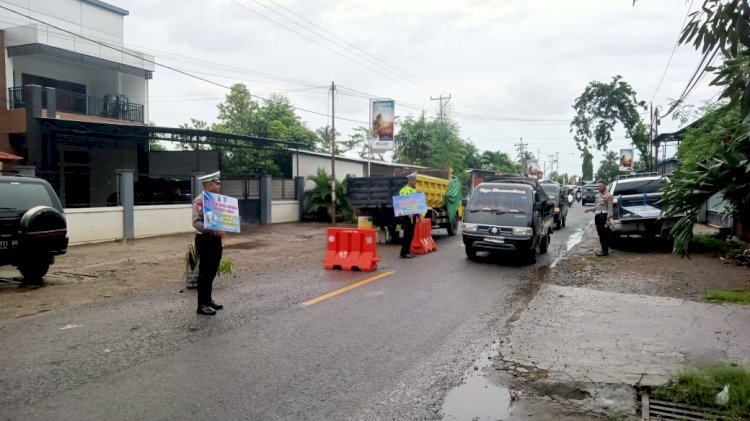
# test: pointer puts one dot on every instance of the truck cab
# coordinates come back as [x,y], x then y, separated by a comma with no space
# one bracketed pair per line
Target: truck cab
[508,214]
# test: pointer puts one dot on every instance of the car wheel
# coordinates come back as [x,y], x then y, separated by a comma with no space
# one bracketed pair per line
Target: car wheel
[544,246]
[34,269]
[471,252]
[453,226]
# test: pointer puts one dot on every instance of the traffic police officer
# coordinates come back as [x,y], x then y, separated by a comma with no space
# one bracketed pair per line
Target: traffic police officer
[408,221]
[603,217]
[209,246]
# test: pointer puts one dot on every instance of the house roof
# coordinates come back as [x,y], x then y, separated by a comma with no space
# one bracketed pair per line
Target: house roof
[668,160]
[107,6]
[358,160]
[7,157]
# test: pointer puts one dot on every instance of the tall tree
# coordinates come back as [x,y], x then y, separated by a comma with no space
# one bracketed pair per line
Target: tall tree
[587,169]
[609,167]
[194,146]
[601,107]
[413,141]
[721,154]
[324,136]
[498,161]
[359,141]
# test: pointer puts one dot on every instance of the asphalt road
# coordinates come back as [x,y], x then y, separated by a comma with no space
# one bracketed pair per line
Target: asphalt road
[391,348]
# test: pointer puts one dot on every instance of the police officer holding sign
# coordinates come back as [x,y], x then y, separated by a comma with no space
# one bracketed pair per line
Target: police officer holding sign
[603,217]
[209,246]
[408,221]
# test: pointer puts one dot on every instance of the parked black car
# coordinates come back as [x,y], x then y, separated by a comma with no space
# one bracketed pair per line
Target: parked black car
[32,225]
[559,196]
[508,214]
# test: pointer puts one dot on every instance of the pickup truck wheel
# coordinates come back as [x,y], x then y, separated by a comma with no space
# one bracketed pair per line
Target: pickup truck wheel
[471,252]
[453,226]
[34,269]
[544,245]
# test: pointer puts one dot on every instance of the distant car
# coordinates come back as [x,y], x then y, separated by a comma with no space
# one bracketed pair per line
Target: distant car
[636,206]
[588,194]
[33,229]
[560,197]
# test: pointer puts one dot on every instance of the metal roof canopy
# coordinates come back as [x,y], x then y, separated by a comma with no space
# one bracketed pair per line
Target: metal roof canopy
[169,134]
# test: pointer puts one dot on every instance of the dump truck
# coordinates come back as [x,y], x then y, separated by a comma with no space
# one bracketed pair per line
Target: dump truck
[373,197]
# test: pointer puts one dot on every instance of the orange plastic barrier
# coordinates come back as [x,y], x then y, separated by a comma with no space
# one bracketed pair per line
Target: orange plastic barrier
[423,242]
[351,249]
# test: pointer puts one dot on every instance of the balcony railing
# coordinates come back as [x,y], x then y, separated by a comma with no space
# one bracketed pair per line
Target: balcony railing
[109,106]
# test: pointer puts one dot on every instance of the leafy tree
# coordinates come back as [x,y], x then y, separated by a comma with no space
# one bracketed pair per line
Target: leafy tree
[156,146]
[718,152]
[587,169]
[359,141]
[609,167]
[192,146]
[601,107]
[472,157]
[323,140]
[498,161]
[412,142]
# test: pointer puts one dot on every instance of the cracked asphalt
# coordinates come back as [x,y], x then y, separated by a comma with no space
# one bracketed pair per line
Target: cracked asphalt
[391,349]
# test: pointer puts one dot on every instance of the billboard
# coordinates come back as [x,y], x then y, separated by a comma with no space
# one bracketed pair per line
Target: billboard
[532,168]
[382,116]
[626,160]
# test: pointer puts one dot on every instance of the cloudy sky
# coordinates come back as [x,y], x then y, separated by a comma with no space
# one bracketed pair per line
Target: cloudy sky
[512,67]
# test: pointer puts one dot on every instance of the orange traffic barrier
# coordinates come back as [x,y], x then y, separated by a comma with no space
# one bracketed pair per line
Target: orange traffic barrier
[423,242]
[351,249]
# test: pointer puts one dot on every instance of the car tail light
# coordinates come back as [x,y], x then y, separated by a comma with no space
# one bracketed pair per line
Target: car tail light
[615,211]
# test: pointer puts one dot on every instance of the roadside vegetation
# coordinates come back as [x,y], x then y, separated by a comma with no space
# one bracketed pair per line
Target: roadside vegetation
[727,250]
[699,386]
[737,296]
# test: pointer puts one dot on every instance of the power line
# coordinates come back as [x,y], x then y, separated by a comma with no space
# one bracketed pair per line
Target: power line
[338,53]
[676,44]
[694,80]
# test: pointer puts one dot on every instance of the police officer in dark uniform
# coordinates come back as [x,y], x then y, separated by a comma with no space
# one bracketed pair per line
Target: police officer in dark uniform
[209,244]
[408,221]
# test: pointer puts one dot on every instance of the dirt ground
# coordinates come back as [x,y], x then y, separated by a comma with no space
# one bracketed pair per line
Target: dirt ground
[100,271]
[637,267]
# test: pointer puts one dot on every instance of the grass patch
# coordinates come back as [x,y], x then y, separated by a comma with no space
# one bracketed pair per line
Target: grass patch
[736,296]
[698,386]
[710,244]
[225,267]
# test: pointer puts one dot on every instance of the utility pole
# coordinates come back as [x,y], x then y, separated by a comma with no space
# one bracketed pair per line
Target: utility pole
[521,148]
[441,99]
[557,162]
[333,151]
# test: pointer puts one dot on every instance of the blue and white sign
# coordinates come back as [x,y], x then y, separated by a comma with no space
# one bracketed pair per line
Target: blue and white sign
[413,204]
[220,213]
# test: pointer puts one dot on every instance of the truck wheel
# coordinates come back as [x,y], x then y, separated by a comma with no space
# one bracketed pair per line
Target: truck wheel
[34,269]
[453,227]
[471,252]
[544,245]
[563,221]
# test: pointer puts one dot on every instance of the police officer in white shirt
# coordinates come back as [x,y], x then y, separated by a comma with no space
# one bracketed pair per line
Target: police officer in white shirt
[209,246]
[603,217]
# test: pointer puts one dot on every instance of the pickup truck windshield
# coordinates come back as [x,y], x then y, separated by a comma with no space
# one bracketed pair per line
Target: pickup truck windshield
[500,200]
[17,196]
[553,192]
[639,187]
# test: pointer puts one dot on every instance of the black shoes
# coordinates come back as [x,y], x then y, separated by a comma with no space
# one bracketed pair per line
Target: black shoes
[216,306]
[602,253]
[407,256]
[206,310]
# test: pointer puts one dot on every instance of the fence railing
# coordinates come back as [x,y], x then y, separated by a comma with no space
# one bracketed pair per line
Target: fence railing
[109,106]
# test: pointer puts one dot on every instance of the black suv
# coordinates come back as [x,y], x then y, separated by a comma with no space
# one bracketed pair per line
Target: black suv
[32,225]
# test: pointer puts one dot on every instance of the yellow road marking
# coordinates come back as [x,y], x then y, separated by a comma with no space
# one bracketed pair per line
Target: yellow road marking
[346,288]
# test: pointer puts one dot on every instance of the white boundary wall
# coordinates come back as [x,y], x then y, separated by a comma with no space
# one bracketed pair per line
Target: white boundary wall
[284,211]
[91,225]
[162,220]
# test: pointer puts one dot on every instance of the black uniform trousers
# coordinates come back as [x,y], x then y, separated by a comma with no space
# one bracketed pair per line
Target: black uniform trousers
[408,224]
[600,219]
[209,252]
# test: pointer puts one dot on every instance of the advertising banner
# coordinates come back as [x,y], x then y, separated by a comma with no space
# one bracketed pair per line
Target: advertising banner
[382,117]
[413,204]
[626,160]
[532,168]
[220,213]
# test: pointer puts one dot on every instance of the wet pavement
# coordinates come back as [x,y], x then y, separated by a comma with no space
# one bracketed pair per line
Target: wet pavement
[397,347]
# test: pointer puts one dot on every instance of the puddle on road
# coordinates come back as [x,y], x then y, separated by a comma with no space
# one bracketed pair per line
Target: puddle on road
[573,240]
[477,398]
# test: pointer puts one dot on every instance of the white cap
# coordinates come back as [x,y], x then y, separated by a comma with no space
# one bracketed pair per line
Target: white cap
[412,175]
[211,177]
